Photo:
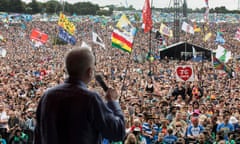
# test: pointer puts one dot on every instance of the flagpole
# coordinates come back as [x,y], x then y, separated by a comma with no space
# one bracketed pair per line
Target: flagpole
[150,43]
[129,59]
[124,78]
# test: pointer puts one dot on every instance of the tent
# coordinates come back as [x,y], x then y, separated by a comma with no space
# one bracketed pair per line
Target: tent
[185,51]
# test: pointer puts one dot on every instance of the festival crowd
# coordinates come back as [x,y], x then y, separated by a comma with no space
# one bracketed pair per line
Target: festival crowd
[157,108]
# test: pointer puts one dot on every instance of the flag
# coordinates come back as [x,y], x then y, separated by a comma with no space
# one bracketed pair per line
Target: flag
[194,52]
[147,16]
[124,24]
[66,24]
[38,36]
[65,36]
[206,14]
[165,30]
[97,40]
[222,54]
[219,38]
[84,44]
[206,1]
[196,28]
[187,28]
[122,41]
[207,36]
[3,52]
[37,44]
[237,35]
[1,38]
[218,65]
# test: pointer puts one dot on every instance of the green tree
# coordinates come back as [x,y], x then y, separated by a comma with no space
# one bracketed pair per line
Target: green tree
[68,8]
[16,6]
[34,7]
[85,8]
[53,7]
[4,5]
[221,9]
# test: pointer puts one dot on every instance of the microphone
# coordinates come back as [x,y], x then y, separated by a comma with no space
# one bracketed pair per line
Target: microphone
[101,82]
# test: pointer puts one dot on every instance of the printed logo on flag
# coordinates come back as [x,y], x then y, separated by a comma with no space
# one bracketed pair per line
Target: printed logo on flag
[66,24]
[184,73]
[39,36]
[66,36]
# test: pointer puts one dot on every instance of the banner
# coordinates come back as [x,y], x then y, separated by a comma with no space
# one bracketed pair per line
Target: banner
[66,36]
[184,73]
[187,28]
[165,30]
[38,36]
[66,24]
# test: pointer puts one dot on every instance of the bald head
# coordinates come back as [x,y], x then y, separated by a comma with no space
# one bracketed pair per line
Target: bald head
[78,62]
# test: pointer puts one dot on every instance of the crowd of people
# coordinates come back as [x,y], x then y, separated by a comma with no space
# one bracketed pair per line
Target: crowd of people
[157,108]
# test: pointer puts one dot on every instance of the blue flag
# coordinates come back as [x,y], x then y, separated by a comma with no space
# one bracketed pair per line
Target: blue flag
[219,38]
[65,36]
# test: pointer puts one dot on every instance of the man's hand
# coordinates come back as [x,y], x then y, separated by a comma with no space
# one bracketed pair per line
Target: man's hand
[112,95]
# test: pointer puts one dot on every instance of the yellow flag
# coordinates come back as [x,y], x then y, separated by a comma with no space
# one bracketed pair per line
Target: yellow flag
[66,24]
[197,29]
[165,30]
[123,23]
[207,36]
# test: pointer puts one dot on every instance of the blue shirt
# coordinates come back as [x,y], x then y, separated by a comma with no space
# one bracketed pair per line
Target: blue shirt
[70,113]
[147,129]
[194,131]
[170,139]
[226,128]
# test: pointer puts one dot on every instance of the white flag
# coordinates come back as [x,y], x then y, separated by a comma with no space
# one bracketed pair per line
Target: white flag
[187,28]
[194,52]
[222,54]
[3,52]
[84,44]
[97,40]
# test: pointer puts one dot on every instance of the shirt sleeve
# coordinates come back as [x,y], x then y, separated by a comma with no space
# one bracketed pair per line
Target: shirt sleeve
[232,128]
[189,133]
[218,127]
[108,118]
[201,129]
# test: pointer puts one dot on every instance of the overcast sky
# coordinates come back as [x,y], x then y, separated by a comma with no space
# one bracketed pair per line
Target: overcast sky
[138,4]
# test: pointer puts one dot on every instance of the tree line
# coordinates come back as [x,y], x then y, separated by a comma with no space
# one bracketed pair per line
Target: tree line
[85,8]
[51,7]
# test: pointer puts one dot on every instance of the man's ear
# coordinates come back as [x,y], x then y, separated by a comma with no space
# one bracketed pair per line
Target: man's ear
[90,72]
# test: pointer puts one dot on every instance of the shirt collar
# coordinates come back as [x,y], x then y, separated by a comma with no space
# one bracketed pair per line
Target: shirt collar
[74,80]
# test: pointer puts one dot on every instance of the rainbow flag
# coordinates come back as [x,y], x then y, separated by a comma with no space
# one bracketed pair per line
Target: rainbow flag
[122,41]
[218,65]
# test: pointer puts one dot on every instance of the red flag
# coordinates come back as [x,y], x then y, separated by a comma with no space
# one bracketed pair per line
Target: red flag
[39,36]
[147,16]
[206,1]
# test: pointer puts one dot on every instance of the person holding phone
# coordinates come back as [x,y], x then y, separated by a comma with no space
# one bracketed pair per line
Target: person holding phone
[71,113]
